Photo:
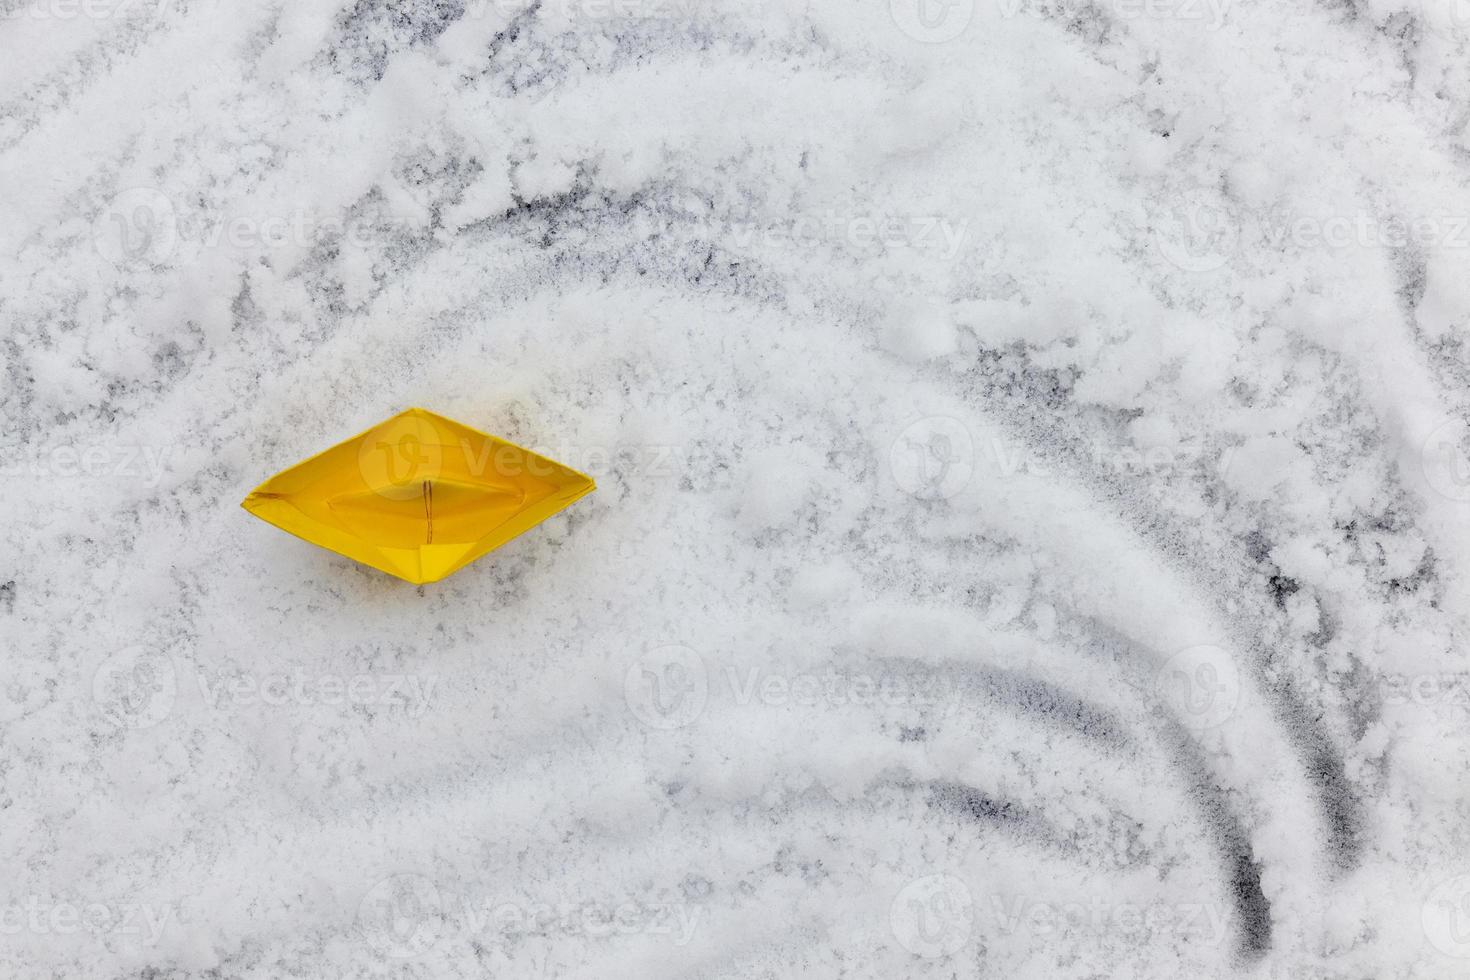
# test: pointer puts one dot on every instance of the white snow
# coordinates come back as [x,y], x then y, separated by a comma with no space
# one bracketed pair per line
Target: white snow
[1032,534]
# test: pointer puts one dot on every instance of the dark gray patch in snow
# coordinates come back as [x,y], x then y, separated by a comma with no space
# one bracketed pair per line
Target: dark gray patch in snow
[1008,380]
[810,870]
[1411,269]
[1025,694]
[368,33]
[1280,587]
[1223,824]
[1011,818]
[1327,772]
[1304,729]
[1232,844]
[1091,23]
[1056,705]
[170,361]
[245,315]
[1258,546]
[959,798]
[1426,572]
[530,60]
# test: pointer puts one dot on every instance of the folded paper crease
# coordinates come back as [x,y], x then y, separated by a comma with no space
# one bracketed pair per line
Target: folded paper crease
[418,496]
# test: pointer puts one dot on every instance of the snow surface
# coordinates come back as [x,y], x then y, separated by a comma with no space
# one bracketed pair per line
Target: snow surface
[1033,525]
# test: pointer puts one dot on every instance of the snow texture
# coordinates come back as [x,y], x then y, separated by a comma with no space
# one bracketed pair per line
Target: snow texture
[1033,525]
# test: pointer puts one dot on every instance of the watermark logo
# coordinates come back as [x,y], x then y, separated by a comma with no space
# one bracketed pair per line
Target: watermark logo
[402,916]
[670,688]
[1209,13]
[398,458]
[137,227]
[1201,922]
[869,233]
[1197,233]
[933,917]
[1278,229]
[135,687]
[1007,458]
[1450,689]
[596,10]
[592,919]
[1200,685]
[1445,460]
[405,916]
[142,226]
[1201,230]
[932,21]
[64,10]
[1425,705]
[838,689]
[410,693]
[1449,19]
[1446,917]
[933,458]
[666,688]
[938,457]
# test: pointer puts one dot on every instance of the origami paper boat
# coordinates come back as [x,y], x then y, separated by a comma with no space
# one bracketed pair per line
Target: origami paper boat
[418,496]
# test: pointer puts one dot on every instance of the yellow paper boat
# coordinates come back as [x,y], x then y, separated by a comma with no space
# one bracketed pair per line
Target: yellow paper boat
[418,496]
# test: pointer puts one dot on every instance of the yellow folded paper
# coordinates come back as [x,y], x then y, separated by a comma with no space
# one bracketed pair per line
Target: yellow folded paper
[418,496]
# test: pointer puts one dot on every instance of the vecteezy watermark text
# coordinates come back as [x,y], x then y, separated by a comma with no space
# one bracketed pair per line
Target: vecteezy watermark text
[936,458]
[935,917]
[41,917]
[139,688]
[142,226]
[63,10]
[407,915]
[668,687]
[411,692]
[400,456]
[1201,921]
[603,10]
[593,919]
[1201,229]
[932,234]
[111,461]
